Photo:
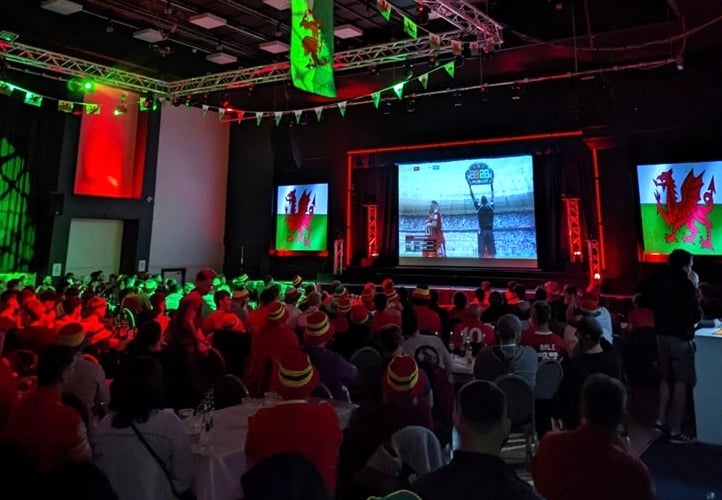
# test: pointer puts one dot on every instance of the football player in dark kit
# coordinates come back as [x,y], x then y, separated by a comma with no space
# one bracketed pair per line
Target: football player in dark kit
[485,213]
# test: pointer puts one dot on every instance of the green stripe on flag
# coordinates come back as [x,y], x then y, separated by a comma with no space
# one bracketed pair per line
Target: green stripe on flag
[312,46]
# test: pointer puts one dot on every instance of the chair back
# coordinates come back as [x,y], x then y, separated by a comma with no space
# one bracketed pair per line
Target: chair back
[365,358]
[549,376]
[322,391]
[519,399]
[229,390]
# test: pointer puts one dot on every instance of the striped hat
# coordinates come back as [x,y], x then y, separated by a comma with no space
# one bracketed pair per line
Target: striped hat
[403,377]
[341,305]
[296,377]
[276,312]
[318,329]
[422,292]
[368,292]
[240,294]
[359,314]
[340,291]
[228,321]
[297,280]
[72,335]
[389,290]
[291,295]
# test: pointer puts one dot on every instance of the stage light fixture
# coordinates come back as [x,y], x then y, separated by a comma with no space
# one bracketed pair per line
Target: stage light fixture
[88,86]
[374,70]
[422,13]
[121,108]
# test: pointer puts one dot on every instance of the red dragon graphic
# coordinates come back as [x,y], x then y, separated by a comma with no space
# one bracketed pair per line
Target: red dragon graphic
[687,211]
[312,44]
[299,221]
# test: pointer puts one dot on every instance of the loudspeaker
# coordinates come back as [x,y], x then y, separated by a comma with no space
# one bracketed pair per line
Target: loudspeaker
[286,151]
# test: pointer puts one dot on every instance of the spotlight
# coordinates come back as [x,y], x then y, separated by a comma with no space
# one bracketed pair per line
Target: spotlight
[88,86]
[176,102]
[77,86]
[374,70]
[147,103]
[422,13]
[433,61]
[121,108]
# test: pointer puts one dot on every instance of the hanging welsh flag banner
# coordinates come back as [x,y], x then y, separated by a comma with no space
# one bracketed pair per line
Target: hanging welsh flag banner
[297,113]
[65,106]
[342,107]
[450,68]
[239,115]
[312,46]
[399,90]
[410,28]
[205,108]
[424,79]
[221,113]
[259,117]
[384,9]
[434,40]
[278,115]
[319,111]
[377,99]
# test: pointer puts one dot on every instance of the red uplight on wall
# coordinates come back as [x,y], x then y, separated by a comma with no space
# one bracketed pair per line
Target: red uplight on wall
[111,146]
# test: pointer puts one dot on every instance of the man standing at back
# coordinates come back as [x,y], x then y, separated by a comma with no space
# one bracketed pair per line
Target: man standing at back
[676,311]
[477,471]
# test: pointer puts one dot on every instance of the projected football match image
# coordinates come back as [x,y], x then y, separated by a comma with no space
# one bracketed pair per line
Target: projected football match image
[469,212]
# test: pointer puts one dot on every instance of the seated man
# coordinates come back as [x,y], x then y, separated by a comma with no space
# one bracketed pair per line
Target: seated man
[49,431]
[222,300]
[335,372]
[539,336]
[594,461]
[479,334]
[296,425]
[508,356]
[477,471]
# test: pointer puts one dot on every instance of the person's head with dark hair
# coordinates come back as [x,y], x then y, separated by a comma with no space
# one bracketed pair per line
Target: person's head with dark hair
[496,299]
[148,338]
[136,391]
[55,364]
[484,200]
[459,300]
[540,293]
[72,306]
[479,295]
[541,313]
[204,280]
[11,297]
[267,297]
[433,298]
[603,401]
[409,322]
[72,291]
[520,292]
[222,299]
[508,329]
[680,260]
[380,302]
[13,284]
[589,333]
[391,340]
[480,418]
[285,476]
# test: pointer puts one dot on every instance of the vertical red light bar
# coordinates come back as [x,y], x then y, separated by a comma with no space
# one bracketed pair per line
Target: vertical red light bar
[349,193]
[598,205]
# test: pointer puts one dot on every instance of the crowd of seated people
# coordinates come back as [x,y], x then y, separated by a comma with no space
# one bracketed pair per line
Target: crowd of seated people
[90,364]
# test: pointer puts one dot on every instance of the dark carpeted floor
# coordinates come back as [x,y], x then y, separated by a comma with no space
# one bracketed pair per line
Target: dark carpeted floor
[692,471]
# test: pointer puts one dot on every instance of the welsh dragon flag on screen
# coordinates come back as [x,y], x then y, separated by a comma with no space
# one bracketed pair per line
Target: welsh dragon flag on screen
[312,46]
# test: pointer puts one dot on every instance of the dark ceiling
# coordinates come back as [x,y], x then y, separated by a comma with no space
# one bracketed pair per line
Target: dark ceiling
[541,37]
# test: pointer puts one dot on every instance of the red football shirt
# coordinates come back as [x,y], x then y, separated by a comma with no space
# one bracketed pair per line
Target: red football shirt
[49,431]
[428,319]
[588,463]
[385,317]
[548,345]
[478,332]
[310,429]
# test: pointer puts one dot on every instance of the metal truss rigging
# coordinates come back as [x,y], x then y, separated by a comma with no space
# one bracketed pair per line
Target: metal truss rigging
[467,18]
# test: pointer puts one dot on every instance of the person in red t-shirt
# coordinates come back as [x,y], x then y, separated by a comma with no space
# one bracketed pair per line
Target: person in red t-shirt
[194,300]
[296,425]
[479,334]
[592,460]
[546,343]
[385,314]
[429,321]
[269,344]
[49,431]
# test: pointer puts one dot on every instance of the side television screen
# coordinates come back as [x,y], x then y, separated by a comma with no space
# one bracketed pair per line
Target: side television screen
[302,218]
[475,212]
[680,207]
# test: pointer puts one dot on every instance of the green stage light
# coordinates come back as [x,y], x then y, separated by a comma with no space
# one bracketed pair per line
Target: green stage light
[88,86]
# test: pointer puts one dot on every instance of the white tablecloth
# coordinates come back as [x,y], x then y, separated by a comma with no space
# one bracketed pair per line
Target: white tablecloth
[221,461]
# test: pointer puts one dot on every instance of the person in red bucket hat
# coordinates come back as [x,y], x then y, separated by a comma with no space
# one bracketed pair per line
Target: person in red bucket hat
[296,425]
[338,312]
[367,295]
[336,373]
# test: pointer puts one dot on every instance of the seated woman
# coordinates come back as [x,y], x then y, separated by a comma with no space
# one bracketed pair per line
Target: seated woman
[136,422]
